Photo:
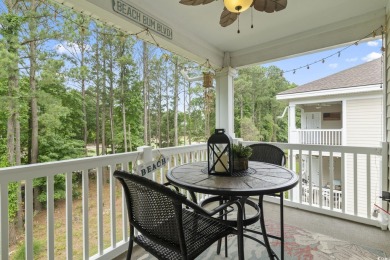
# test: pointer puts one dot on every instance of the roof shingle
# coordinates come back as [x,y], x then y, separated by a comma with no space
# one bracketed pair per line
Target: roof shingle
[368,73]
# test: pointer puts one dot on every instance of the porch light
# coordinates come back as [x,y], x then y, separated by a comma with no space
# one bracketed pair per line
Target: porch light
[237,6]
[220,153]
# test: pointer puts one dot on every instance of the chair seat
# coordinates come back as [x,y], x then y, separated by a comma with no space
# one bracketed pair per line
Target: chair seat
[199,231]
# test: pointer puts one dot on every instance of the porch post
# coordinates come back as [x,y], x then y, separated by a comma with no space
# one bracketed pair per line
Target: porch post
[292,133]
[224,100]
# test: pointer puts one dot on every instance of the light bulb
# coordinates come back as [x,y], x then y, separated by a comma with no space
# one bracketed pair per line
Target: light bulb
[237,6]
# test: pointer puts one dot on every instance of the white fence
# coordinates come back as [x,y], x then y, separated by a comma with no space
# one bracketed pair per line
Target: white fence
[355,201]
[320,136]
[361,176]
[324,197]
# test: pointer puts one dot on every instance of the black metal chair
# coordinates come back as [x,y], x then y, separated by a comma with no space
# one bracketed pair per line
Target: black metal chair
[170,226]
[269,153]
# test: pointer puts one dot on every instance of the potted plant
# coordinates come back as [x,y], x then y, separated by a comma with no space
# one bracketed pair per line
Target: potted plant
[241,155]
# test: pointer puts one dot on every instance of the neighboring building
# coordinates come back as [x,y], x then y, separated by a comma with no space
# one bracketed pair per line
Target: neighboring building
[345,109]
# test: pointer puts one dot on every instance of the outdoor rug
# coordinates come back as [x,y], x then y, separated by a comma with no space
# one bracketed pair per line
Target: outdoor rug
[299,244]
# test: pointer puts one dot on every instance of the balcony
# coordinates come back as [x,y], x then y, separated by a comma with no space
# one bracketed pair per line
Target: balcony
[355,204]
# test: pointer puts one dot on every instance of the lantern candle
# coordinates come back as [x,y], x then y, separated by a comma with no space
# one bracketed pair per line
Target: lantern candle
[223,161]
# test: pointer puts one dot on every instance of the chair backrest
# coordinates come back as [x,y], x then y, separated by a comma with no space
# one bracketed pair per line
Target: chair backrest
[154,210]
[267,153]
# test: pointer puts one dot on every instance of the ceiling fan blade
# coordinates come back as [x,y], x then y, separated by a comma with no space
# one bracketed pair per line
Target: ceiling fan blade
[195,2]
[260,5]
[280,5]
[269,6]
[227,17]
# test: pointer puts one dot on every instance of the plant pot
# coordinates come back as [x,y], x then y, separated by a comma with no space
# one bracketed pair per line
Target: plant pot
[240,164]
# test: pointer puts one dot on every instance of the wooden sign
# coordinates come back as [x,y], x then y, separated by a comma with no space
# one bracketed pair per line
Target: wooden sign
[135,15]
[151,166]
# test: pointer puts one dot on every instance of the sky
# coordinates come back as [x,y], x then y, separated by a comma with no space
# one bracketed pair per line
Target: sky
[350,56]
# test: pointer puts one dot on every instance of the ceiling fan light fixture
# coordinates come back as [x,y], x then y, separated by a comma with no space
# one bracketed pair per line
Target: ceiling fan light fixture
[237,6]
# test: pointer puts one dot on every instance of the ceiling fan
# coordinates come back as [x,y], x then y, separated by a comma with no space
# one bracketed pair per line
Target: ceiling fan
[233,8]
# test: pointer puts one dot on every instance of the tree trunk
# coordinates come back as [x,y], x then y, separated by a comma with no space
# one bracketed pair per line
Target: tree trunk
[130,144]
[145,91]
[34,105]
[122,84]
[159,116]
[111,102]
[97,140]
[104,100]
[84,105]
[189,113]
[167,102]
[185,117]
[176,100]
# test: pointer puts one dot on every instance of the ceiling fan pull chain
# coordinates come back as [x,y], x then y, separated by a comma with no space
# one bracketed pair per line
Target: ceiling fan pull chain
[252,17]
[238,22]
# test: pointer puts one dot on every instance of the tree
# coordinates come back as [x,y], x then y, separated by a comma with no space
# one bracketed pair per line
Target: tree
[76,36]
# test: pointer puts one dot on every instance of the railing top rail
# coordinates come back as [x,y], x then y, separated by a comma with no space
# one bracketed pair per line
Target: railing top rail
[326,148]
[31,171]
[319,130]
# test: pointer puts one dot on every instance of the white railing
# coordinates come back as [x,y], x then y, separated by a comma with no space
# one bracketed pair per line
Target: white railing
[361,168]
[362,171]
[325,197]
[94,171]
[320,136]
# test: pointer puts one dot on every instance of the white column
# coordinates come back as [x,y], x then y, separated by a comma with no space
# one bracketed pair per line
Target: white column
[224,100]
[292,133]
[291,117]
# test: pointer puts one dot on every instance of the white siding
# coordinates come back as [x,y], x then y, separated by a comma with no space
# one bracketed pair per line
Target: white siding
[364,128]
[364,122]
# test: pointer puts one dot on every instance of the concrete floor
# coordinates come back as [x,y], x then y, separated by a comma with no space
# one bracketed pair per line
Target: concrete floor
[356,233]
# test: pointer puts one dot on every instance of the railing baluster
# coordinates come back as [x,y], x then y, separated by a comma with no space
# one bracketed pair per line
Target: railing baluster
[50,216]
[331,177]
[300,176]
[112,206]
[29,215]
[355,185]
[368,176]
[320,184]
[4,226]
[343,182]
[85,199]
[125,221]
[69,214]
[310,178]
[99,203]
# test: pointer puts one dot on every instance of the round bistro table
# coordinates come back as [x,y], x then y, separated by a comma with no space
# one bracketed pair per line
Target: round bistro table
[260,179]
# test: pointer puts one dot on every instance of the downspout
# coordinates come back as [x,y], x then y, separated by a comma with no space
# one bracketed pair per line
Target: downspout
[284,112]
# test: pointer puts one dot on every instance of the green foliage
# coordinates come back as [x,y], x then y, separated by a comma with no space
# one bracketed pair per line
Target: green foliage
[59,187]
[249,131]
[38,247]
[255,91]
[12,200]
[241,151]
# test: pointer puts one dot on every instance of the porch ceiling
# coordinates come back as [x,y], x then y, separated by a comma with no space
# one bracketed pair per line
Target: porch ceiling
[304,26]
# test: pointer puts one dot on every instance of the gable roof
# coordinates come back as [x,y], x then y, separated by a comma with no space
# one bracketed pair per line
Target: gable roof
[366,74]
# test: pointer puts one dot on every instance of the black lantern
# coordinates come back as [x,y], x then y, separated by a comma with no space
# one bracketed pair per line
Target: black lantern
[220,153]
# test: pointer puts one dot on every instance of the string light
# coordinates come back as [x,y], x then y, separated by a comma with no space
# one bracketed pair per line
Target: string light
[338,53]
